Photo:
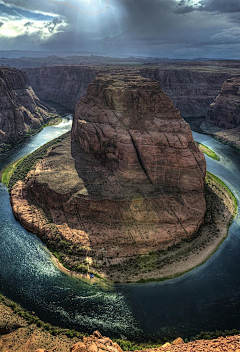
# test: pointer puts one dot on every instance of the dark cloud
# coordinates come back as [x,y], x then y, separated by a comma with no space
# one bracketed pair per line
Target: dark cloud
[174,28]
[221,6]
[56,23]
[217,6]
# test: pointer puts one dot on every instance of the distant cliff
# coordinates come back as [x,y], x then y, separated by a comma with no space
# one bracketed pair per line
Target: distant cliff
[136,185]
[64,85]
[224,112]
[191,90]
[20,108]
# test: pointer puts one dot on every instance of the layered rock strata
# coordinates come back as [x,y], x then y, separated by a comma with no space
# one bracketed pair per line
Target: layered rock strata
[20,108]
[63,85]
[130,182]
[224,112]
[192,90]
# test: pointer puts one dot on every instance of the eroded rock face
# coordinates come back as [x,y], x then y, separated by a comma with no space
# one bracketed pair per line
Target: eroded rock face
[130,182]
[224,112]
[64,85]
[133,127]
[192,91]
[20,109]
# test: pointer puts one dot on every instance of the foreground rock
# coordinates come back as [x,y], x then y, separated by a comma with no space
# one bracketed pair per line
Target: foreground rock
[21,336]
[228,344]
[130,182]
[21,110]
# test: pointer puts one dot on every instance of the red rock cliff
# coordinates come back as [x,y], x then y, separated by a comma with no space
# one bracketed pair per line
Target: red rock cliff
[20,109]
[224,112]
[129,123]
[130,182]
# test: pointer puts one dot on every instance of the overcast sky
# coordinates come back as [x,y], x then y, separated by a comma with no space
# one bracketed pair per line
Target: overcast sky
[163,28]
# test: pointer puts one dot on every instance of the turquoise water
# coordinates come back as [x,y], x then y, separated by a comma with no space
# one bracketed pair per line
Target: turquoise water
[207,298]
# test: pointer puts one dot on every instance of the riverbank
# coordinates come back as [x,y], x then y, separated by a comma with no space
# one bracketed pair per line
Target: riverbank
[226,136]
[90,277]
[19,169]
[156,266]
[189,254]
[19,327]
[54,120]
[207,151]
[22,330]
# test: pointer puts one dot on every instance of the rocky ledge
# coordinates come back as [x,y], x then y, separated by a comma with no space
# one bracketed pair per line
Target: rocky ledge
[20,108]
[130,181]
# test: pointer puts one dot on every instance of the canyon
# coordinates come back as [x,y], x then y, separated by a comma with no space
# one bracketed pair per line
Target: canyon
[21,110]
[223,117]
[128,148]
[128,182]
[192,88]
[63,85]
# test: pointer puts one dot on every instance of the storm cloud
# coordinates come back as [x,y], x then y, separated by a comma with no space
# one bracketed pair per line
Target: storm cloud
[172,28]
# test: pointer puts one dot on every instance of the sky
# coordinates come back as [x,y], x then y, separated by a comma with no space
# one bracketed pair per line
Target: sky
[161,28]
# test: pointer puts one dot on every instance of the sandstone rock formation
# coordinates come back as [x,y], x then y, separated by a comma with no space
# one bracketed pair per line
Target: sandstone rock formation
[224,112]
[191,90]
[130,182]
[20,109]
[64,85]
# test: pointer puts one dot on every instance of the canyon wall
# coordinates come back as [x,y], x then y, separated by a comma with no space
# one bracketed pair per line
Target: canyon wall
[224,112]
[129,182]
[63,85]
[191,90]
[20,108]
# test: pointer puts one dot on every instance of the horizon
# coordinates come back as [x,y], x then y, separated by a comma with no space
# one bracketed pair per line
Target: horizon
[174,29]
[65,54]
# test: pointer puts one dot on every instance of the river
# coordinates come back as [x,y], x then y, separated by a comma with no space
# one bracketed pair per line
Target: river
[207,298]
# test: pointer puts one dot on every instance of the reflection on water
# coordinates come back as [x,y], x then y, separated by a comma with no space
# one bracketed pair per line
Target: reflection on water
[29,277]
[207,298]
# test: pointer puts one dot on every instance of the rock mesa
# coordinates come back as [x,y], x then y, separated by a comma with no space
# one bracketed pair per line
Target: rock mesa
[129,182]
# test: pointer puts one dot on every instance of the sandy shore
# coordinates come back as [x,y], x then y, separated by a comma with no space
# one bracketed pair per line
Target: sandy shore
[80,276]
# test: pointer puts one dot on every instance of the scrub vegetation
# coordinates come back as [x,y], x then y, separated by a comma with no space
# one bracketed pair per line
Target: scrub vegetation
[18,170]
[209,152]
